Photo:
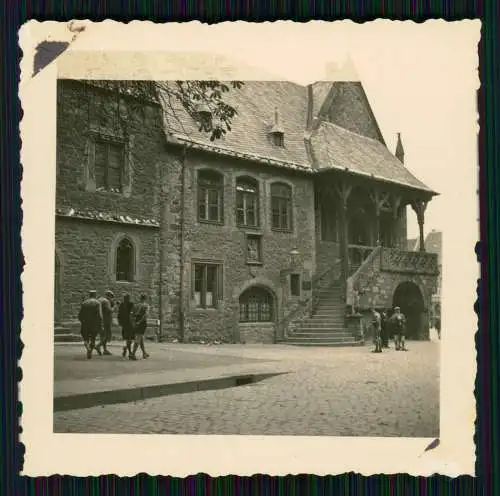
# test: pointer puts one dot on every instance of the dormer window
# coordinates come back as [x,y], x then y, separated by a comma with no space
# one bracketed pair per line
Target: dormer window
[277,134]
[204,115]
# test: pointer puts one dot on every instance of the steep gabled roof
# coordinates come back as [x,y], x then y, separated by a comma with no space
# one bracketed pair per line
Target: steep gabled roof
[322,146]
[255,103]
[338,148]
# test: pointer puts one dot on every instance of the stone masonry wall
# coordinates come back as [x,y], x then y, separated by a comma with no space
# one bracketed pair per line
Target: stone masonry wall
[85,249]
[76,128]
[226,244]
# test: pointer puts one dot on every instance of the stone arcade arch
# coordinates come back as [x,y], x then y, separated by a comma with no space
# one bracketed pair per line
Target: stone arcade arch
[408,296]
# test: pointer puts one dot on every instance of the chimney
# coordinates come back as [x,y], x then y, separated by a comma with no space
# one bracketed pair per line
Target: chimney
[400,153]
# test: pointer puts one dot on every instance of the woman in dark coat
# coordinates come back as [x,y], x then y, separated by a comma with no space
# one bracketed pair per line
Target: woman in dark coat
[125,321]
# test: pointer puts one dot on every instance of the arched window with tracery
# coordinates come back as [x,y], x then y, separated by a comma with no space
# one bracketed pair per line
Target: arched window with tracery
[247,202]
[125,261]
[256,305]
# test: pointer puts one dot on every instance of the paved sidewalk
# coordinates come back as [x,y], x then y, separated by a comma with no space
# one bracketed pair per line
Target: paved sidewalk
[171,369]
[326,391]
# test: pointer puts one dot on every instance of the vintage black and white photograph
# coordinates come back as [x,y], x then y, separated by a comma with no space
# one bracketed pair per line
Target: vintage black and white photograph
[228,253]
[261,256]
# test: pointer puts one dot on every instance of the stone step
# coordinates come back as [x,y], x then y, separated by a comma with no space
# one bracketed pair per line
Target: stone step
[324,322]
[321,328]
[324,331]
[67,338]
[302,335]
[329,314]
[326,344]
[61,330]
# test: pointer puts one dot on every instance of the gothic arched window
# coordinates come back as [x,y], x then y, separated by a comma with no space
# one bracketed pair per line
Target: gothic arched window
[125,262]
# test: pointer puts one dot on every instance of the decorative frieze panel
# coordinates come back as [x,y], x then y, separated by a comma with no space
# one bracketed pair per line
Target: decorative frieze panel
[413,262]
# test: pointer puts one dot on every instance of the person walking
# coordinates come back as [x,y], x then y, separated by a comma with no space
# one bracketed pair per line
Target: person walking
[376,326]
[90,317]
[384,329]
[398,323]
[107,304]
[140,324]
[125,312]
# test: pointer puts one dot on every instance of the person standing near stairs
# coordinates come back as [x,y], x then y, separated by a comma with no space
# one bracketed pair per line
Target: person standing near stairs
[376,326]
[398,323]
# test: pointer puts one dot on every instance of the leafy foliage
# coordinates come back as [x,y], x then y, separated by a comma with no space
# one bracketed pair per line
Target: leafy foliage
[202,100]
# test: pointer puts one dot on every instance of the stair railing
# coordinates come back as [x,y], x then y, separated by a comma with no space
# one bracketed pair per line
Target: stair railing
[352,295]
[304,308]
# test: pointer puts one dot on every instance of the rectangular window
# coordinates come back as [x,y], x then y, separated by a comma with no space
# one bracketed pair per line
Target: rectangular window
[207,284]
[247,204]
[210,200]
[109,165]
[254,248]
[282,214]
[295,285]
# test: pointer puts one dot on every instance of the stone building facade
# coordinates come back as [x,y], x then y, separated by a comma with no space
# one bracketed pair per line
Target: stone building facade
[234,240]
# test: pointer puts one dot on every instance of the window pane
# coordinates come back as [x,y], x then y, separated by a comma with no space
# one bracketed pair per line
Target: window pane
[198,277]
[202,207]
[251,217]
[100,164]
[275,213]
[115,165]
[240,216]
[214,204]
[124,261]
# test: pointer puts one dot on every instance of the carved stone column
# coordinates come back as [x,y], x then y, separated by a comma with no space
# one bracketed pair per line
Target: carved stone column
[419,207]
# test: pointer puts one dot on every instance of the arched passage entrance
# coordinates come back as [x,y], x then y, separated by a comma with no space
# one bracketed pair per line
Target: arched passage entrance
[409,298]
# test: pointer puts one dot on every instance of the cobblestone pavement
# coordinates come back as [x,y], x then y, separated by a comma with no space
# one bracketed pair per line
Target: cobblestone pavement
[328,392]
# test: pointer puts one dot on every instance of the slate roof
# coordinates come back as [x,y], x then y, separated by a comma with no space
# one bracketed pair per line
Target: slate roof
[338,148]
[331,147]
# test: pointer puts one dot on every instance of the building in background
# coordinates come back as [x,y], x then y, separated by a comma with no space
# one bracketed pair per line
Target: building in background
[289,229]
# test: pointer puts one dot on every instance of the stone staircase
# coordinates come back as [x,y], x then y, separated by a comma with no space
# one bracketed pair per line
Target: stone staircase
[326,325]
[66,335]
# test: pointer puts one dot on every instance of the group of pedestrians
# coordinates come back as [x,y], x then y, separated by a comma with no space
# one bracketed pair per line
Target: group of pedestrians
[96,319]
[383,327]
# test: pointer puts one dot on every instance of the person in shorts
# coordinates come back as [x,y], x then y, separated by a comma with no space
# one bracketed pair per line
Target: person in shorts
[398,323]
[140,320]
[90,317]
